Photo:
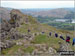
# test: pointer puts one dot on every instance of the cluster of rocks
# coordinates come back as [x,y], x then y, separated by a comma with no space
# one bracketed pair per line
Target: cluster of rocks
[41,49]
[9,32]
[5,28]
[64,47]
[14,34]
[44,50]
[6,44]
[30,36]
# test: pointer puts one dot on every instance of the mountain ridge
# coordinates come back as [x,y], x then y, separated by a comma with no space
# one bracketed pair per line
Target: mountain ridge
[59,12]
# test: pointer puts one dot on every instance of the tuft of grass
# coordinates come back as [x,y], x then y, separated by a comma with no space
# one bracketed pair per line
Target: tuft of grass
[22,29]
[10,50]
[28,49]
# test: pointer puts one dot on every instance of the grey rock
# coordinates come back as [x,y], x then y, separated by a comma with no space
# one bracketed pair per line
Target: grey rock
[64,47]
[51,50]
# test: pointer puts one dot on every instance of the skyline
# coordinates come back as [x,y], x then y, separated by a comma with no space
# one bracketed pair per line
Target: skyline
[37,4]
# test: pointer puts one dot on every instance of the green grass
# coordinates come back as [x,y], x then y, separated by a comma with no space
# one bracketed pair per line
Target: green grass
[54,42]
[40,39]
[12,50]
[28,49]
[51,41]
[23,28]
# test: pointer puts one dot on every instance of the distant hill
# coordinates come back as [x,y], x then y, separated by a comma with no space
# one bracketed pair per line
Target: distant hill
[59,13]
[70,9]
[42,12]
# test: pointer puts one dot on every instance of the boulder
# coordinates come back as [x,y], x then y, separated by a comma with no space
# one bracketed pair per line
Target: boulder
[8,43]
[5,26]
[51,50]
[19,43]
[14,34]
[1,45]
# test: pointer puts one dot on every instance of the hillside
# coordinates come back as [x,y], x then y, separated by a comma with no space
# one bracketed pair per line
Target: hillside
[22,35]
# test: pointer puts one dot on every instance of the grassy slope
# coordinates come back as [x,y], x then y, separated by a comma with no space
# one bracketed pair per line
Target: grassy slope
[37,27]
[50,41]
[16,48]
[46,28]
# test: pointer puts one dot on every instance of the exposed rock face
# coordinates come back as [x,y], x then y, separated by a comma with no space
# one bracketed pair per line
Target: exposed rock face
[5,26]
[8,31]
[8,28]
[18,18]
[14,34]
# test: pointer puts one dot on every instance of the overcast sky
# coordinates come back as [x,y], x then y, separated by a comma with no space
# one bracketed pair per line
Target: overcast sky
[37,4]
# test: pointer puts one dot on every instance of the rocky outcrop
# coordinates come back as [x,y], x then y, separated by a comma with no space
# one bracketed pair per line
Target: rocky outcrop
[8,29]
[6,44]
[5,28]
[18,18]
[14,34]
